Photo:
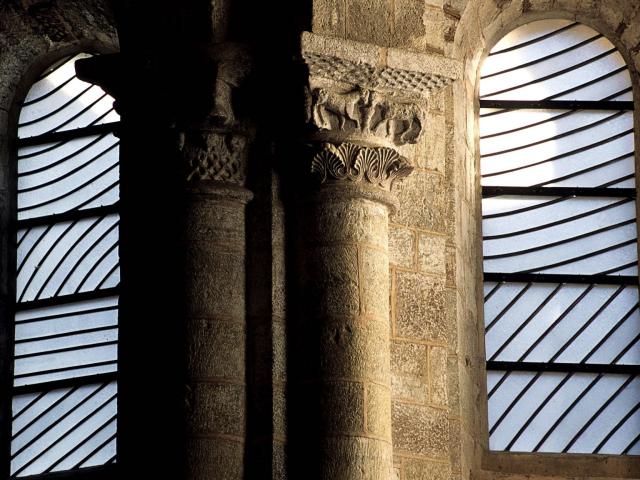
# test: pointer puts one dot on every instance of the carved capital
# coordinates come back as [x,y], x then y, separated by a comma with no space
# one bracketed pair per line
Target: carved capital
[215,155]
[365,113]
[378,166]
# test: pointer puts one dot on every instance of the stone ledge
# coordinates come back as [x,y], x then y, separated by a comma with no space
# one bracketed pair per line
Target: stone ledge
[379,68]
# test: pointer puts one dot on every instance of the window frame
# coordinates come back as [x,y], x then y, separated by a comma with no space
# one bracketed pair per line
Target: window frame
[8,252]
[538,463]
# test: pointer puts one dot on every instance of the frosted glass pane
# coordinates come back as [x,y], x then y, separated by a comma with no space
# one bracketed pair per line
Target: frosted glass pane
[563,323]
[65,429]
[559,148]
[68,258]
[60,101]
[555,407]
[574,62]
[60,337]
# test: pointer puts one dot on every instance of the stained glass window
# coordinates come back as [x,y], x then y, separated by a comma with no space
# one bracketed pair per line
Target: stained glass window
[64,405]
[562,326]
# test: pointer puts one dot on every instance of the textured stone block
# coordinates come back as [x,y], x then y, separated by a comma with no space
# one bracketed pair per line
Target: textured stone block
[215,223]
[431,253]
[331,284]
[420,430]
[401,247]
[421,307]
[378,410]
[431,152]
[409,25]
[350,220]
[369,21]
[215,284]
[438,375]
[344,406]
[355,350]
[329,17]
[423,202]
[356,458]
[419,469]
[216,408]
[214,459]
[434,29]
[374,280]
[216,349]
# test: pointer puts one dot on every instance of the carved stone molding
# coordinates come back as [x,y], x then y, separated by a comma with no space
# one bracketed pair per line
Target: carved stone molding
[368,76]
[378,166]
[367,113]
[215,155]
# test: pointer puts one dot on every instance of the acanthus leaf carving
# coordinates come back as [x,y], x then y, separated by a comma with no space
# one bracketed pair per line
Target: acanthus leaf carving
[380,166]
[368,113]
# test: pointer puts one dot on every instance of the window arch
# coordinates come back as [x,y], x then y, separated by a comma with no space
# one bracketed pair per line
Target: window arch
[562,326]
[65,328]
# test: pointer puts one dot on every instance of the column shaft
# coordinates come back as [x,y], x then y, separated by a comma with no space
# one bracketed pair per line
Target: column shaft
[345,326]
[216,330]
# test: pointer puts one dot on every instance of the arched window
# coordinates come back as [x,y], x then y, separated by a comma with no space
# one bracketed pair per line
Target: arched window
[562,325]
[64,405]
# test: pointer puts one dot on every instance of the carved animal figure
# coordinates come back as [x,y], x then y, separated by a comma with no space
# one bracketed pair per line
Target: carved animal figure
[344,106]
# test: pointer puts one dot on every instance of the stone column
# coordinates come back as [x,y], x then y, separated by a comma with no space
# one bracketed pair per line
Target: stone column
[345,298]
[215,156]
[215,301]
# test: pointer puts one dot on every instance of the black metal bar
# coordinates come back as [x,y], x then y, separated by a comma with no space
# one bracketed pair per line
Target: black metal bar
[597,414]
[70,249]
[68,314]
[546,57]
[73,190]
[28,405]
[99,194]
[560,278]
[556,137]
[584,148]
[491,293]
[560,242]
[616,428]
[630,446]
[566,412]
[65,349]
[594,253]
[96,264]
[68,333]
[555,323]
[586,170]
[57,88]
[65,135]
[83,442]
[95,450]
[65,434]
[498,384]
[44,412]
[559,222]
[492,191]
[85,254]
[535,40]
[50,113]
[514,402]
[507,307]
[41,260]
[538,409]
[69,216]
[49,427]
[63,299]
[65,383]
[554,74]
[66,369]
[557,104]
[100,472]
[526,322]
[563,367]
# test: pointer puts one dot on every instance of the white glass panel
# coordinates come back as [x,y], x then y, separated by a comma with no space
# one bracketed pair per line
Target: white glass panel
[59,262]
[73,104]
[534,423]
[76,372]
[73,427]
